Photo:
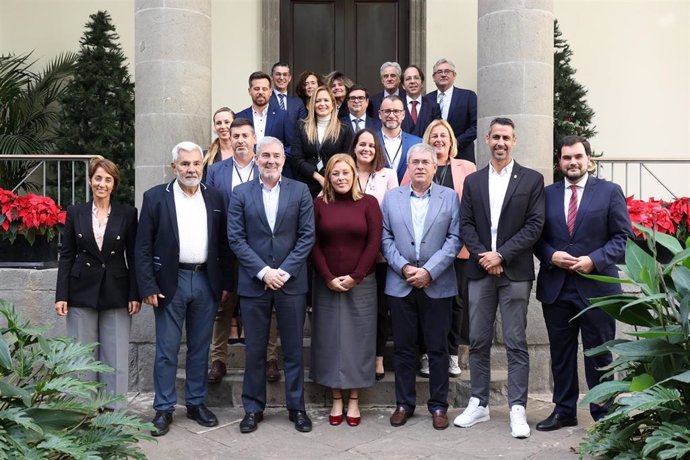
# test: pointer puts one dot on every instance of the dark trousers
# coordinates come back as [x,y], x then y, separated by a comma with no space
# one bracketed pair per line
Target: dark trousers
[433,316]
[256,319]
[383,317]
[596,327]
[194,305]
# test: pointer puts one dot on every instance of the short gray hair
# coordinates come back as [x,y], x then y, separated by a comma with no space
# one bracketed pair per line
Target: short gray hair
[266,140]
[188,146]
[422,147]
[444,61]
[391,64]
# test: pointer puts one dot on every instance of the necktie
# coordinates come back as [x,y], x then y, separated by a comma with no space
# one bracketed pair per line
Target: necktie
[281,101]
[414,111]
[357,124]
[441,99]
[572,210]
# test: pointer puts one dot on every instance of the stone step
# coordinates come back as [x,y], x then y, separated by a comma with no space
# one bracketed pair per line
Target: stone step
[228,392]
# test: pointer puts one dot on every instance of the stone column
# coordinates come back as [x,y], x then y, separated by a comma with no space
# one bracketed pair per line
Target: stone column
[173,83]
[515,77]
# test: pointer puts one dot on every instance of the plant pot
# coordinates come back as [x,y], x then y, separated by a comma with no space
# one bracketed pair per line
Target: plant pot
[43,253]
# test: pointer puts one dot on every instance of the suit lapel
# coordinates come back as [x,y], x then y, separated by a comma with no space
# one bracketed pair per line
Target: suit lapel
[402,165]
[112,230]
[406,208]
[172,213]
[559,191]
[435,201]
[229,165]
[585,202]
[86,228]
[484,195]
[283,200]
[209,212]
[259,203]
[513,181]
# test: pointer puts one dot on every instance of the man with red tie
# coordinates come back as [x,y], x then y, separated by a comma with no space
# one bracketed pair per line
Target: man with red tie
[585,230]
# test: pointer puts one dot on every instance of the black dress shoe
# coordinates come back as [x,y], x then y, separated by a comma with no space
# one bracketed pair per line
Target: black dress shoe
[556,421]
[161,422]
[202,415]
[380,375]
[250,421]
[302,421]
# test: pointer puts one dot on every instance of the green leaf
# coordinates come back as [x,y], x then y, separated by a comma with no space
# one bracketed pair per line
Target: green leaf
[608,279]
[5,357]
[604,348]
[669,242]
[7,391]
[682,377]
[683,256]
[641,382]
[605,391]
[647,348]
[613,306]
[681,280]
[636,260]
[668,441]
[655,334]
[55,420]
[18,416]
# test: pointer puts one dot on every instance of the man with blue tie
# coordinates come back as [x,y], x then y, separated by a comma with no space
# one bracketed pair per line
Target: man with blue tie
[419,111]
[587,225]
[271,231]
[458,107]
[421,237]
[292,105]
[390,79]
[357,104]
[394,140]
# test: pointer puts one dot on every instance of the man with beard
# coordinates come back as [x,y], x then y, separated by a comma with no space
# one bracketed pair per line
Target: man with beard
[271,231]
[502,218]
[394,140]
[419,111]
[183,271]
[587,225]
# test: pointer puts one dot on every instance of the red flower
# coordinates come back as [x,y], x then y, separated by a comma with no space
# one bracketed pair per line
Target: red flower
[22,215]
[670,218]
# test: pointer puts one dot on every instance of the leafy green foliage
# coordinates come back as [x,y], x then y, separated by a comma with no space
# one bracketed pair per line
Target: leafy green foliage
[97,110]
[650,415]
[46,411]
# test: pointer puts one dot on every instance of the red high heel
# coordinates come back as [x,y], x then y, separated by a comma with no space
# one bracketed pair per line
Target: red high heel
[353,421]
[336,420]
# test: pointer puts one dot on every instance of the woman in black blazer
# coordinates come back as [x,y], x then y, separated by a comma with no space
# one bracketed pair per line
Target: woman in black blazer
[96,285]
[317,138]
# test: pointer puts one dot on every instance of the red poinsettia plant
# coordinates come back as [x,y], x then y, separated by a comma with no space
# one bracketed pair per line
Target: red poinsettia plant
[670,217]
[29,215]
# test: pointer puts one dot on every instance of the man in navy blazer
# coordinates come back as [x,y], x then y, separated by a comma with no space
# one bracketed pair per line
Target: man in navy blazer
[421,226]
[458,107]
[279,98]
[390,79]
[271,231]
[395,142]
[357,104]
[587,225]
[183,271]
[502,217]
[419,111]
[266,118]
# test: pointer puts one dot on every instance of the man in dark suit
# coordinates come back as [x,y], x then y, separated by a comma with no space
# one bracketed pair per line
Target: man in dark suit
[458,107]
[271,231]
[502,217]
[419,111]
[183,271]
[587,225]
[279,98]
[390,79]
[266,118]
[357,103]
[420,240]
[394,140]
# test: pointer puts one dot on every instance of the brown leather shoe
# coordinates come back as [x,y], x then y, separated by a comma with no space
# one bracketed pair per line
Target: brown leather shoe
[217,371]
[440,419]
[400,416]
[272,371]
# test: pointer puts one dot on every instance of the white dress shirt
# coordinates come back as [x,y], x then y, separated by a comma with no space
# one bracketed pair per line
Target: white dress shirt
[362,121]
[409,103]
[99,226]
[568,192]
[260,123]
[240,174]
[285,99]
[393,149]
[447,97]
[498,185]
[270,198]
[192,226]
[419,205]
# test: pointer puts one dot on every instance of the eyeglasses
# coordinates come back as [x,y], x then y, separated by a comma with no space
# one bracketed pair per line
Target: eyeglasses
[421,162]
[357,98]
[444,72]
[395,112]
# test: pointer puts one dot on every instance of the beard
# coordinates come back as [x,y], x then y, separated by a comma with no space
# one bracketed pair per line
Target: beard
[190,182]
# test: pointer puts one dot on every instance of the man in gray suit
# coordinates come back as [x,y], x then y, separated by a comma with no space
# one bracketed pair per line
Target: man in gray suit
[421,237]
[271,231]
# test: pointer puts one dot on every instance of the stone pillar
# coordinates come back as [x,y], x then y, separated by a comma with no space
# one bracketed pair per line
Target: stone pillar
[515,77]
[173,83]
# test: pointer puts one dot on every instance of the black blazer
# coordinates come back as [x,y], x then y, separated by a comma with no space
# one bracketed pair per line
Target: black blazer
[428,112]
[158,243]
[306,155]
[98,278]
[369,122]
[519,226]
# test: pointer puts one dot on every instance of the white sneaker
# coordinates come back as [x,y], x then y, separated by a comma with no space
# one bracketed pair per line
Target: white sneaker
[473,414]
[424,365]
[453,367]
[518,422]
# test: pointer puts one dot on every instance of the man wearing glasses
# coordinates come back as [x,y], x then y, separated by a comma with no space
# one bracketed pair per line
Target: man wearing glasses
[458,107]
[390,79]
[395,141]
[357,104]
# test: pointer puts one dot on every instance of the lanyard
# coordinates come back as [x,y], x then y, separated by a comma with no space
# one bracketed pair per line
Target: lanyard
[395,157]
[249,176]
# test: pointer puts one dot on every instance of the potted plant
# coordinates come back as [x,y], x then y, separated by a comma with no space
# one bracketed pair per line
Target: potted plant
[650,387]
[28,227]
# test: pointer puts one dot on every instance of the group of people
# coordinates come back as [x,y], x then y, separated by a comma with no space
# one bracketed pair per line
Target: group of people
[337,205]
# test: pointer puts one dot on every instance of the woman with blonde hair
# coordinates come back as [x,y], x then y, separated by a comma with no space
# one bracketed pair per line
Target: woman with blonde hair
[317,138]
[220,149]
[348,235]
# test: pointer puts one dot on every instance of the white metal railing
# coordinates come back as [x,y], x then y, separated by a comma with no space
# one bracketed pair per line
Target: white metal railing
[627,171]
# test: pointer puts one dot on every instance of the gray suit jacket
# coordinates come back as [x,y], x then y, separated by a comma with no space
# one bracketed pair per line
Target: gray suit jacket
[439,246]
[256,246]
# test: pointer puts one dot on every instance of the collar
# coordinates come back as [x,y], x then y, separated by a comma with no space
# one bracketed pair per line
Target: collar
[261,114]
[177,188]
[409,99]
[353,117]
[276,92]
[508,169]
[425,194]
[94,210]
[579,184]
[396,138]
[263,186]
